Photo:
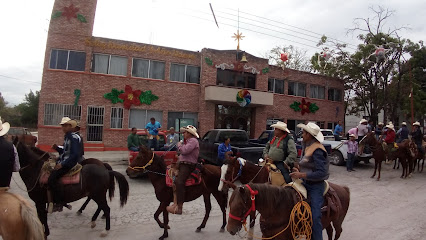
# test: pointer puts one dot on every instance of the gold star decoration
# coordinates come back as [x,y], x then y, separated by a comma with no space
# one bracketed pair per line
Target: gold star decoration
[238,36]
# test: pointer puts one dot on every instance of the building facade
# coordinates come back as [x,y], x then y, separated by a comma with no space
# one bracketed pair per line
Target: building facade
[85,76]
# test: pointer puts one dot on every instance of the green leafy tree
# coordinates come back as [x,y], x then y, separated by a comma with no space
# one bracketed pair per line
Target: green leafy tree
[29,109]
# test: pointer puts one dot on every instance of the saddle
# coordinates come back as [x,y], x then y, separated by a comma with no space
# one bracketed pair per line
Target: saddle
[275,177]
[194,177]
[72,177]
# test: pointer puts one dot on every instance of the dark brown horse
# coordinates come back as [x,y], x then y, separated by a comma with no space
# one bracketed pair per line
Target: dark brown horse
[271,200]
[405,154]
[95,182]
[379,153]
[156,168]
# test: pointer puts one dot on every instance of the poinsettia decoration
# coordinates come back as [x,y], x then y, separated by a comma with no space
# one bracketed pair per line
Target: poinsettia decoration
[147,97]
[130,97]
[113,96]
[304,107]
[70,12]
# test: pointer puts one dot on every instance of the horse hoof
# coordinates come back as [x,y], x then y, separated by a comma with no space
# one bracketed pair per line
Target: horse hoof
[222,230]
[163,237]
[93,224]
[198,230]
[78,213]
[104,233]
[410,175]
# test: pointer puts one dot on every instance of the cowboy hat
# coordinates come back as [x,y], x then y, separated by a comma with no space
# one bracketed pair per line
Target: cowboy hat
[404,123]
[281,125]
[416,124]
[313,129]
[390,126]
[67,120]
[351,135]
[4,127]
[363,121]
[380,123]
[191,129]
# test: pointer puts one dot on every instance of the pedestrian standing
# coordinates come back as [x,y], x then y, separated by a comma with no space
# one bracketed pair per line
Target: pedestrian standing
[338,130]
[352,151]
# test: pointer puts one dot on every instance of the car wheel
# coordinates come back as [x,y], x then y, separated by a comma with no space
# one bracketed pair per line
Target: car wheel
[336,158]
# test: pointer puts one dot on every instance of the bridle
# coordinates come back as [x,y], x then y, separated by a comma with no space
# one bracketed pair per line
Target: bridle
[145,166]
[251,209]
[240,171]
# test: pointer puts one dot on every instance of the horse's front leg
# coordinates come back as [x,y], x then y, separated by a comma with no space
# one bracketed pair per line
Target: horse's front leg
[379,169]
[166,222]
[80,211]
[375,167]
[208,207]
[42,215]
[161,209]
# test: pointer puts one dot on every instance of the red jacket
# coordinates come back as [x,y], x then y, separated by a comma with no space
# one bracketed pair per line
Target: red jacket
[390,136]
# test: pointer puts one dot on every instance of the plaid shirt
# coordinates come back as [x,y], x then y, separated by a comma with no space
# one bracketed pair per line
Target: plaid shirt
[352,146]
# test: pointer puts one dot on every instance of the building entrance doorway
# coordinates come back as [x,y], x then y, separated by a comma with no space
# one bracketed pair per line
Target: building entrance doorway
[233,117]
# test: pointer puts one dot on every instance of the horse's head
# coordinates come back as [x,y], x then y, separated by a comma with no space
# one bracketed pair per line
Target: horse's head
[241,204]
[368,139]
[143,160]
[412,147]
[229,171]
[27,156]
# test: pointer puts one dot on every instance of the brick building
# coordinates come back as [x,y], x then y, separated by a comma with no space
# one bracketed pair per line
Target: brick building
[198,88]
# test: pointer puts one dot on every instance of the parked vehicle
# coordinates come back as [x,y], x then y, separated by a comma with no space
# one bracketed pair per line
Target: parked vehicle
[168,156]
[328,134]
[339,153]
[23,134]
[239,142]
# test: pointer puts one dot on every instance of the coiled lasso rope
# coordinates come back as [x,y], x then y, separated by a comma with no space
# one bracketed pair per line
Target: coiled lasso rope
[300,229]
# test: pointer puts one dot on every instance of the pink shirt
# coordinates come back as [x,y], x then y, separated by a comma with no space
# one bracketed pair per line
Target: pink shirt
[353,131]
[362,130]
[189,151]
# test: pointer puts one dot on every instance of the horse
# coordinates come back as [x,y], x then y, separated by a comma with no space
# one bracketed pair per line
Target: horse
[18,219]
[156,169]
[379,153]
[248,172]
[405,154]
[269,200]
[95,181]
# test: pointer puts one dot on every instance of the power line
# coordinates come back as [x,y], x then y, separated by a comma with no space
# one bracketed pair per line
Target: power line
[19,79]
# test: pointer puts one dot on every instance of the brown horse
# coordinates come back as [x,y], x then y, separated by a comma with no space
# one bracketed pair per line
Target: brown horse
[95,181]
[271,200]
[18,219]
[379,153]
[404,155]
[156,169]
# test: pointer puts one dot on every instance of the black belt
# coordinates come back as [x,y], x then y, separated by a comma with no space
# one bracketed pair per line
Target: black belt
[313,182]
[187,163]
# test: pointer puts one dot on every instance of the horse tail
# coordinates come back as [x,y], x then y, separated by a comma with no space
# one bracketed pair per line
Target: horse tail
[122,184]
[107,166]
[111,188]
[30,219]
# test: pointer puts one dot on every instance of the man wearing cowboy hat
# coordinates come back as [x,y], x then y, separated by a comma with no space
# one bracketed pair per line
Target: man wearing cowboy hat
[362,131]
[69,157]
[417,135]
[389,139]
[188,158]
[7,156]
[281,150]
[313,170]
[378,130]
[402,133]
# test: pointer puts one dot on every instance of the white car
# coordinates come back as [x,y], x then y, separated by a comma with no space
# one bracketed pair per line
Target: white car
[339,153]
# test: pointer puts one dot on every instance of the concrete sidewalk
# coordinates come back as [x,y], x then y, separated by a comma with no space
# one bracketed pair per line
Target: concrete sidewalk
[108,156]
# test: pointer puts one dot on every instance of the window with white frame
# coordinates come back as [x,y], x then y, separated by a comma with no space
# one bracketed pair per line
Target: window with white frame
[297,89]
[116,117]
[109,64]
[184,73]
[138,118]
[53,113]
[317,91]
[67,60]
[276,85]
[148,68]
[334,95]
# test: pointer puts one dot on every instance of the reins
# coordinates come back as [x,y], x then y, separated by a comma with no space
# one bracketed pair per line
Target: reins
[145,166]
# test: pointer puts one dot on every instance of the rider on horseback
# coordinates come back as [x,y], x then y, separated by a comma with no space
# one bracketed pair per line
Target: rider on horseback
[417,136]
[389,139]
[187,161]
[314,170]
[69,157]
[281,150]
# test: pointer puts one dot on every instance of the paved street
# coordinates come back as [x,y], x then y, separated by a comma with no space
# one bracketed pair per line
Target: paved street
[388,209]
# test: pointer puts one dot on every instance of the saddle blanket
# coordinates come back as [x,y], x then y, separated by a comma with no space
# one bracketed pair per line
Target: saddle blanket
[194,178]
[65,180]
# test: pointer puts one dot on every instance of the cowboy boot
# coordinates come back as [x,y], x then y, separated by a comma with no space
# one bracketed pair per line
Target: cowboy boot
[50,201]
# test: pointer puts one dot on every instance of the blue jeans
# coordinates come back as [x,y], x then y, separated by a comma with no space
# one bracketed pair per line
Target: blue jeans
[153,143]
[284,171]
[315,192]
[350,161]
[134,149]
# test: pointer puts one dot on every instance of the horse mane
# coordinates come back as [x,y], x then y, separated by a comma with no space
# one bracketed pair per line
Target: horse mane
[29,153]
[273,197]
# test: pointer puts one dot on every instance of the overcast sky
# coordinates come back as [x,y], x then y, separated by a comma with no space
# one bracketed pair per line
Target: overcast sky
[189,25]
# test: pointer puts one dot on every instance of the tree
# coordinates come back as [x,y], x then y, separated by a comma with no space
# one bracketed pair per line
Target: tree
[29,109]
[8,114]
[369,71]
[297,58]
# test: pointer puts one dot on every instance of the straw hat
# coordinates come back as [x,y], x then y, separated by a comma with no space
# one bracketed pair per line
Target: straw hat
[404,123]
[281,126]
[4,127]
[313,129]
[416,124]
[67,120]
[390,126]
[191,129]
[363,121]
[351,135]
[380,123]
